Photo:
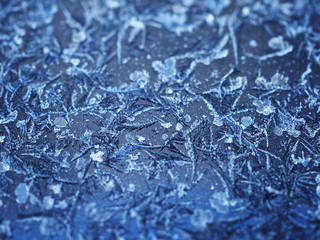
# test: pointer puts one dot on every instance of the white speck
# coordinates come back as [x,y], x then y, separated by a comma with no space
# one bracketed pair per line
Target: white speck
[141,138]
[18,40]
[75,61]
[276,43]
[181,189]
[245,11]
[125,60]
[179,126]
[112,3]
[253,43]
[187,2]
[62,205]
[210,19]
[164,137]
[136,23]
[46,50]
[166,125]
[22,193]
[97,156]
[187,118]
[133,213]
[246,121]
[56,188]
[4,167]
[169,91]
[109,186]
[48,202]
[92,100]
[131,187]
[60,122]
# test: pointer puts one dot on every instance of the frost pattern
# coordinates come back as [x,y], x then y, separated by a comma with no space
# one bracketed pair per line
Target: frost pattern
[191,119]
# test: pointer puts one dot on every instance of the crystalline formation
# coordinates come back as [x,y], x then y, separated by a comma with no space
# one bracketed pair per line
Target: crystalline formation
[191,119]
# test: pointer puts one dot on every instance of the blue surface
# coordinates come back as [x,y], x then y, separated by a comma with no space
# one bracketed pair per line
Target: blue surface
[159,119]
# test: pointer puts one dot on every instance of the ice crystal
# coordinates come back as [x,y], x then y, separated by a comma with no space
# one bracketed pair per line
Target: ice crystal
[48,202]
[288,124]
[97,156]
[201,218]
[278,81]
[60,122]
[264,106]
[276,43]
[167,70]
[22,193]
[141,78]
[246,121]
[4,167]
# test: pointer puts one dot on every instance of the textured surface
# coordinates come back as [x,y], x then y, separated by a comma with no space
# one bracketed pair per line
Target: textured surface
[185,119]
